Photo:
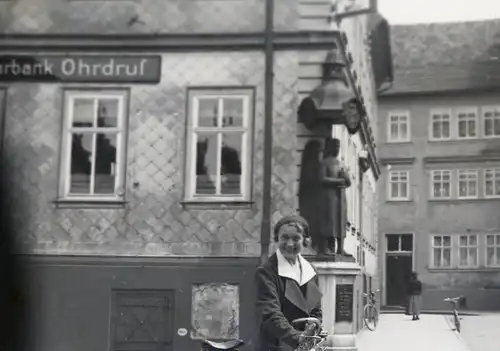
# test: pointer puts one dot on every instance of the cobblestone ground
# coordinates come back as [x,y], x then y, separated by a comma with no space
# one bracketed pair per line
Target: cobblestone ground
[397,332]
[481,333]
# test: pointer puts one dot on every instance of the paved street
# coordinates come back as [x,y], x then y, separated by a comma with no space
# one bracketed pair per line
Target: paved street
[481,333]
[397,332]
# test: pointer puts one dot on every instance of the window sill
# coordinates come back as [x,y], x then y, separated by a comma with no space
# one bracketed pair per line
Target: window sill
[397,142]
[454,200]
[217,205]
[89,203]
[463,269]
[399,200]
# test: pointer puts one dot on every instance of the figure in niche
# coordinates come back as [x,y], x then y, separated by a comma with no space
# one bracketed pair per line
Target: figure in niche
[335,180]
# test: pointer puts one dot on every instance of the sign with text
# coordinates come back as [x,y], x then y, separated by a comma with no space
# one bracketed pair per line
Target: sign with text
[80,69]
[344,302]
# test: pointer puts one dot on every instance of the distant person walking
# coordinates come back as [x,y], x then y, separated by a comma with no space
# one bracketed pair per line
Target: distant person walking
[414,291]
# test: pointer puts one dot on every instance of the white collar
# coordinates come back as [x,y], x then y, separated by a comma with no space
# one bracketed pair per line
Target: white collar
[287,270]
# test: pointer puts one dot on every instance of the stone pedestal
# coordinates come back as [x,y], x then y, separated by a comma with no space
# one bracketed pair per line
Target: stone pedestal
[336,281]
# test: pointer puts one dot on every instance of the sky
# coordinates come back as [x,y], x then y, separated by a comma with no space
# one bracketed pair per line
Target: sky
[425,11]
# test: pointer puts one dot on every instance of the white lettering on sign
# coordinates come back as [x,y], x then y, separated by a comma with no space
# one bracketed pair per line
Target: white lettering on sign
[86,68]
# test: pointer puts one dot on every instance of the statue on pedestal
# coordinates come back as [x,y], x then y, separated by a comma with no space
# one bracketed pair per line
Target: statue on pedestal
[334,180]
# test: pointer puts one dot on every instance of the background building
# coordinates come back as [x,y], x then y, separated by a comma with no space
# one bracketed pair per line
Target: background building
[133,153]
[439,143]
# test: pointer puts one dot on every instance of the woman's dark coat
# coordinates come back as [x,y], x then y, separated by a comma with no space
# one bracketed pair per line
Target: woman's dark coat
[279,301]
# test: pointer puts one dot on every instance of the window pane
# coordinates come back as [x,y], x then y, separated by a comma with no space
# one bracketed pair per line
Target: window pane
[107,113]
[406,242]
[394,131]
[436,130]
[490,240]
[404,129]
[83,113]
[472,240]
[437,257]
[105,164]
[462,129]
[463,240]
[208,110]
[231,163]
[488,127]
[233,112]
[445,190]
[403,190]
[473,257]
[463,257]
[437,241]
[206,163]
[472,128]
[446,129]
[497,239]
[446,257]
[446,241]
[394,190]
[81,163]
[490,256]
[392,242]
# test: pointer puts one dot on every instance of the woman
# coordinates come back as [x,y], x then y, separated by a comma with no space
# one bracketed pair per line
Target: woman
[414,291]
[287,287]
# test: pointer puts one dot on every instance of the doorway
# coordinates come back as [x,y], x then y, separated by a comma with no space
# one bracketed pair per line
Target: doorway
[398,267]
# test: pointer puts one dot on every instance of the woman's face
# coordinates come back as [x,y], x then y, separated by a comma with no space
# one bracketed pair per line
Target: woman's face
[290,241]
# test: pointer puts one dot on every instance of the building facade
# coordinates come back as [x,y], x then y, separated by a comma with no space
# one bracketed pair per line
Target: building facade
[440,152]
[136,148]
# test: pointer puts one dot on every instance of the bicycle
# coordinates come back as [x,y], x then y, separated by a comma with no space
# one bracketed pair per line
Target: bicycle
[370,312]
[315,337]
[455,301]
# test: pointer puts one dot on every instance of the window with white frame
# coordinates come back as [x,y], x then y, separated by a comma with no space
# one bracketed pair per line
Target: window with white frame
[441,251]
[93,145]
[467,183]
[441,184]
[491,121]
[440,124]
[492,182]
[218,148]
[399,183]
[398,127]
[493,250]
[466,122]
[467,250]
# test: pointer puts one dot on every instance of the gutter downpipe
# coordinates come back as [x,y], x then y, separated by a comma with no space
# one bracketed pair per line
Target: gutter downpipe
[265,234]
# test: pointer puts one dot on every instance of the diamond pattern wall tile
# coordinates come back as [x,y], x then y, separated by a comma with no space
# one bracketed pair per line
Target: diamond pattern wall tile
[141,16]
[153,222]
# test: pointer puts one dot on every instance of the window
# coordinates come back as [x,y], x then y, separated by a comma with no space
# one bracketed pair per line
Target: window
[93,151]
[440,124]
[493,250]
[467,251]
[399,185]
[467,184]
[492,182]
[467,123]
[398,127]
[491,121]
[441,184]
[219,145]
[441,251]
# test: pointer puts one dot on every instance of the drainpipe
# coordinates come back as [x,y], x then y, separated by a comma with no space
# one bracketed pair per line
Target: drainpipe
[265,234]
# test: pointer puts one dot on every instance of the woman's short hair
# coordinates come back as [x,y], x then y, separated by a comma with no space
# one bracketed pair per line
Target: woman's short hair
[297,221]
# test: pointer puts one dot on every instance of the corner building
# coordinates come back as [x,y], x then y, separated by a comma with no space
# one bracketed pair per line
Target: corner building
[439,131]
[137,181]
